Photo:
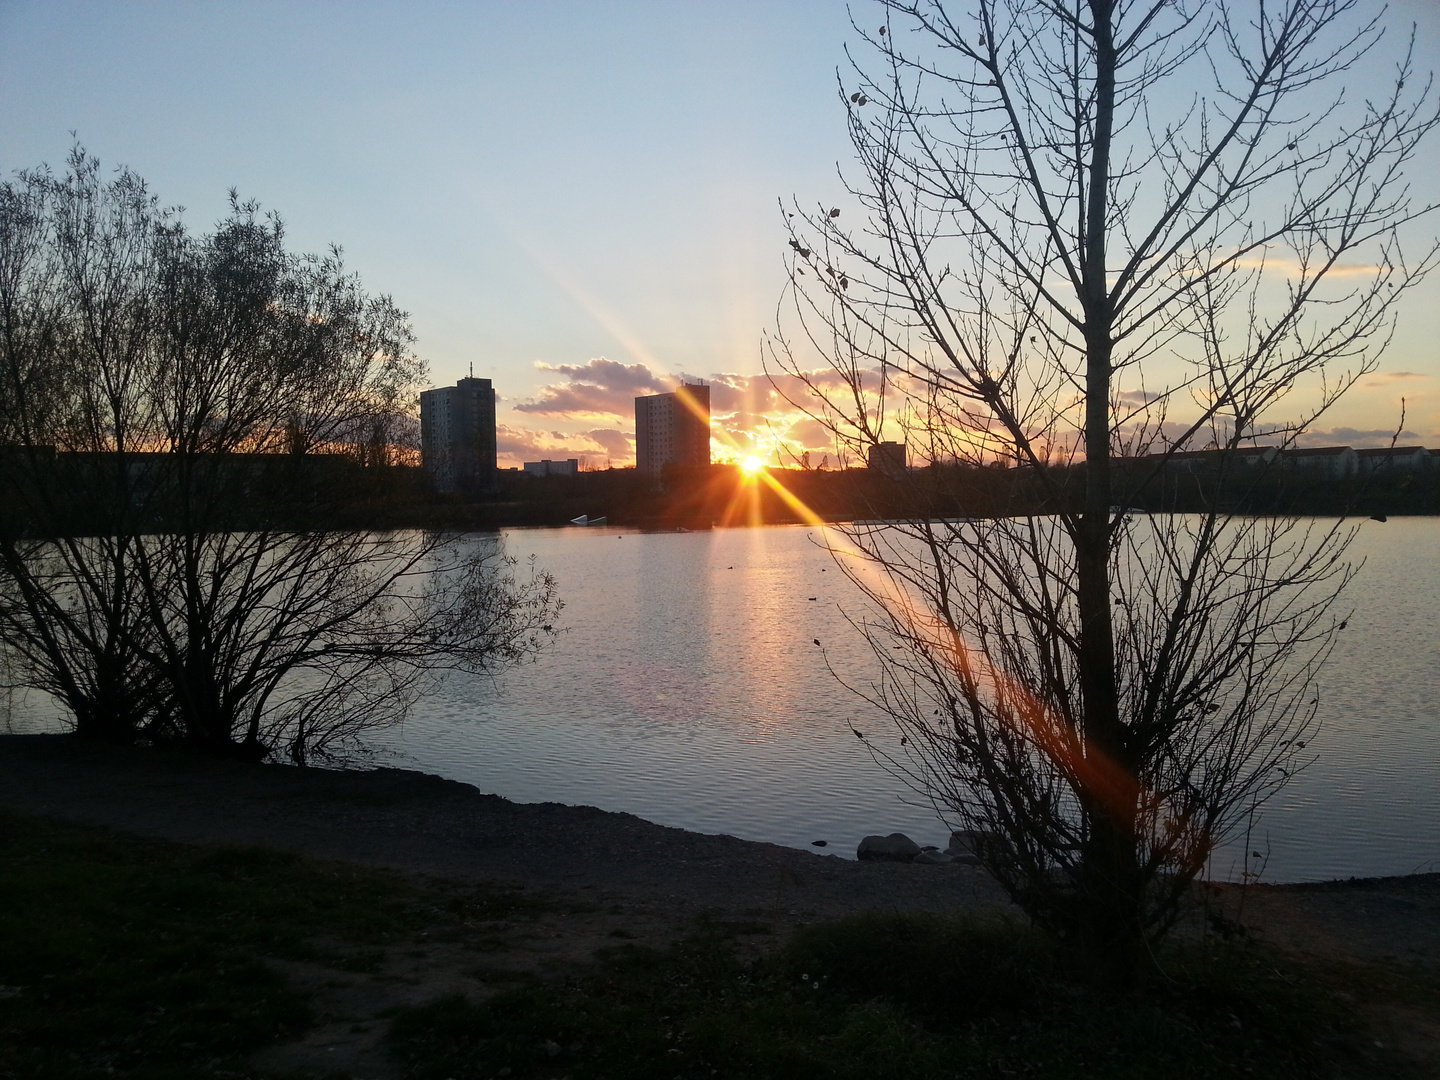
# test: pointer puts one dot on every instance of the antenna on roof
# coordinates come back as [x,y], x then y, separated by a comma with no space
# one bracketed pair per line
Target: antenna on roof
[472,369]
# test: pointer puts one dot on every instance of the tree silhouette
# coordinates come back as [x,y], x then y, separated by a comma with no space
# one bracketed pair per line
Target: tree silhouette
[182,418]
[1096,235]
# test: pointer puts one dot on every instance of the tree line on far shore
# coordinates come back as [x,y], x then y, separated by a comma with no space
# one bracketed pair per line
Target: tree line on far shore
[720,495]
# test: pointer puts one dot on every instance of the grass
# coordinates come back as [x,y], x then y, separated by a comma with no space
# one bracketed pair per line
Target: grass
[145,960]
[150,960]
[903,996]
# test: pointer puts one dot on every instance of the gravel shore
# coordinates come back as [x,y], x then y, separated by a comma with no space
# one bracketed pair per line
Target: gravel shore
[415,822]
[412,821]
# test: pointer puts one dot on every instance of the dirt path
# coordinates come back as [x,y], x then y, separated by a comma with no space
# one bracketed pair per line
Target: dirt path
[1375,942]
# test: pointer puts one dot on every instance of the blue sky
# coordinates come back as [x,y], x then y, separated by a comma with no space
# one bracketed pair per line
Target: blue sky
[540,184]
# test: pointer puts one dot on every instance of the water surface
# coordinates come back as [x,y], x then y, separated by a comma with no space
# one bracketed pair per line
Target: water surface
[688,690]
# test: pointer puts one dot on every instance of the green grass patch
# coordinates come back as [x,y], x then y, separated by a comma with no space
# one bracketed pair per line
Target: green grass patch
[895,996]
[143,959]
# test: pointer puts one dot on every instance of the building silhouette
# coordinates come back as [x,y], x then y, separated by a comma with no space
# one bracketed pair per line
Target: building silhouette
[1395,459]
[546,467]
[887,457]
[673,429]
[457,436]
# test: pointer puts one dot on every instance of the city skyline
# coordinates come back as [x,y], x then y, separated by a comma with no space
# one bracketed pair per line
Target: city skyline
[581,201]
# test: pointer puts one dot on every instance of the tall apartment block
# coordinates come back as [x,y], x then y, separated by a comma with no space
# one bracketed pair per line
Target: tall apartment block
[673,429]
[457,436]
[887,457]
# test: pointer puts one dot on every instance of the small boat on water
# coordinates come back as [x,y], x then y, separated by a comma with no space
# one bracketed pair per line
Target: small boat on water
[584,520]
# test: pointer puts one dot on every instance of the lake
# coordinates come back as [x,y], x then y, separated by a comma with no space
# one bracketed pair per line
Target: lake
[687,690]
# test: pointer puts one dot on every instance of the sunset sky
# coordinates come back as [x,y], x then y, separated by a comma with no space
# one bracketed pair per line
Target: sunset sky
[579,199]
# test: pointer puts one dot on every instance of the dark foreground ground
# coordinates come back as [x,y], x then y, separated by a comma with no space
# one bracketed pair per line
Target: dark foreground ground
[605,876]
[416,822]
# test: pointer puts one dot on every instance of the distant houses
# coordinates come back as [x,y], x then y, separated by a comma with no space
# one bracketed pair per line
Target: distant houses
[546,467]
[1336,462]
[1397,459]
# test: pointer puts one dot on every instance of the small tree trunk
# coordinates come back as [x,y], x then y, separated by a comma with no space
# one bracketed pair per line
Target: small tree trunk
[1110,927]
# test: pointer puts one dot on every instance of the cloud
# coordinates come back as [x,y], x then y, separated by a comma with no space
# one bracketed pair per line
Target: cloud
[1293,267]
[1348,436]
[599,389]
[1138,397]
[603,389]
[810,433]
[1381,378]
[516,445]
[519,442]
[620,445]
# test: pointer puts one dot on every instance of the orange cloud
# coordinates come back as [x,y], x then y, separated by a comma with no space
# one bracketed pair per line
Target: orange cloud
[596,448]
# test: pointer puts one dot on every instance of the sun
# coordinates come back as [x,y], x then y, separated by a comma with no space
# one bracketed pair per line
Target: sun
[752,465]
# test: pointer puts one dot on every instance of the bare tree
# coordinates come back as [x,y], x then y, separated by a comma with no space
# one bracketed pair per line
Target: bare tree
[169,564]
[76,324]
[1097,235]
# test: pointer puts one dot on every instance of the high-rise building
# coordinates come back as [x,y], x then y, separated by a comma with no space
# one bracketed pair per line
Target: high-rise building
[887,457]
[673,429]
[457,436]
